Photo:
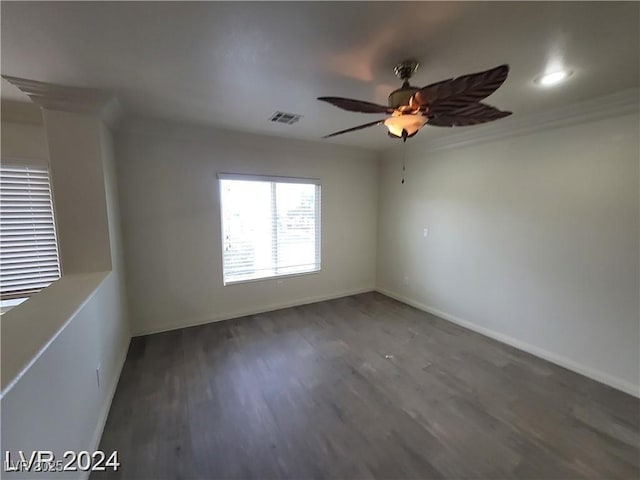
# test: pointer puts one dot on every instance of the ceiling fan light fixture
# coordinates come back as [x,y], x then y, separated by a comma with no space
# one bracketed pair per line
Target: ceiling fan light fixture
[408,122]
[401,96]
[553,78]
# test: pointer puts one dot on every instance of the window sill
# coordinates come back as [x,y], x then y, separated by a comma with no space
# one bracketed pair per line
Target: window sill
[6,305]
[271,277]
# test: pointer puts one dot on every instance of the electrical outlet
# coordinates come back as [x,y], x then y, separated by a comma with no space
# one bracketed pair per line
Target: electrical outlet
[98,375]
[425,232]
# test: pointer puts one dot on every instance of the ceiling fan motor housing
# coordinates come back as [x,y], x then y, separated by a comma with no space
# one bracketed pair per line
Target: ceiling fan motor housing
[401,96]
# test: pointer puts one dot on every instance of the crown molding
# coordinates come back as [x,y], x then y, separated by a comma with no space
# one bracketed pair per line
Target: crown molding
[613,105]
[71,99]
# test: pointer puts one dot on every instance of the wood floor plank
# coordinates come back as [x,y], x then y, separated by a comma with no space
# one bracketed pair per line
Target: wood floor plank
[359,387]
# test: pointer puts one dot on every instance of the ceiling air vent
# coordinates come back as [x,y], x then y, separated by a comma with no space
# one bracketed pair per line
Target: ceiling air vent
[282,117]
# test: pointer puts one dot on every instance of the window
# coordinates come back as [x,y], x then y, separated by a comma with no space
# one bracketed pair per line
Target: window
[270,226]
[29,252]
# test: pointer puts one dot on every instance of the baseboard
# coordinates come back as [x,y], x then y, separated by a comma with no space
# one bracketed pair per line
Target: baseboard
[252,311]
[104,413]
[564,362]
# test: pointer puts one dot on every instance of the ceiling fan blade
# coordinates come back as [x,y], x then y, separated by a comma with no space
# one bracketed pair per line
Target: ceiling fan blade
[473,114]
[356,105]
[353,129]
[457,92]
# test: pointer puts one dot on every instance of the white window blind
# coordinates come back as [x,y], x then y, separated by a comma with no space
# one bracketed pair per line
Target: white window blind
[28,246]
[270,226]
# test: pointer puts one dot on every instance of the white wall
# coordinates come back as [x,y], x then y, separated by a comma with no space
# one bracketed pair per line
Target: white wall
[78,184]
[23,141]
[532,239]
[115,334]
[171,221]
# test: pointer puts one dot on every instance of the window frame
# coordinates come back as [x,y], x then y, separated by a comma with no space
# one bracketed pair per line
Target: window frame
[273,179]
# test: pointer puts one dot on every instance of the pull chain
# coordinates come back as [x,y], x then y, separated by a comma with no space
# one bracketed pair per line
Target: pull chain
[404,159]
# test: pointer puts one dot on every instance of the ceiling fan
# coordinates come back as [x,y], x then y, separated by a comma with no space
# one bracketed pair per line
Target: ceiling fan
[455,102]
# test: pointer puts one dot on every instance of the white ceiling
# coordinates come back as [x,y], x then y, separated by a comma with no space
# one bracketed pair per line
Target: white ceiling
[234,64]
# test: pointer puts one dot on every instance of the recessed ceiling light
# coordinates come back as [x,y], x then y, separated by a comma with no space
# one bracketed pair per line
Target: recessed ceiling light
[553,78]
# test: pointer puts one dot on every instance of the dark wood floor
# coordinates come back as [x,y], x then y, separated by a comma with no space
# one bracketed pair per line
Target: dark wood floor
[360,387]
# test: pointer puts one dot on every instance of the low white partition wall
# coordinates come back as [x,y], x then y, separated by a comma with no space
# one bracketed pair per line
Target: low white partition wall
[62,353]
